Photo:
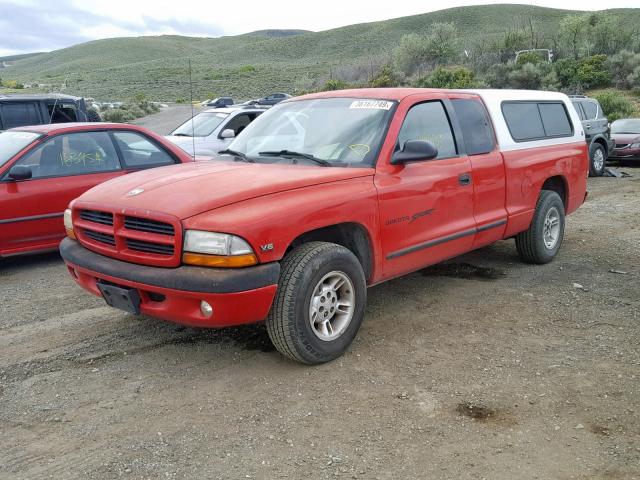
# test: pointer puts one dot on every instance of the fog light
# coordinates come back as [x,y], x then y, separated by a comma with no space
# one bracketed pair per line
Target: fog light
[206,309]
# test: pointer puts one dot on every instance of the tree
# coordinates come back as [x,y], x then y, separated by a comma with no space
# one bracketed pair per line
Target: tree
[621,65]
[411,53]
[573,29]
[441,43]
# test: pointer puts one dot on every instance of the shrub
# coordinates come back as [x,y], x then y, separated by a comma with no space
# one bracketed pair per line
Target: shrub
[386,77]
[592,72]
[633,79]
[529,57]
[334,84]
[455,77]
[621,66]
[529,76]
[615,105]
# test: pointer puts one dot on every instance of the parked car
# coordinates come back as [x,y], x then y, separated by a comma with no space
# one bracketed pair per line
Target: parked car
[626,135]
[596,130]
[43,168]
[213,130]
[273,99]
[325,195]
[220,102]
[17,110]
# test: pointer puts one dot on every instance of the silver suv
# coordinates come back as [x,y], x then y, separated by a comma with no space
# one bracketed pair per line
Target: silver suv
[213,130]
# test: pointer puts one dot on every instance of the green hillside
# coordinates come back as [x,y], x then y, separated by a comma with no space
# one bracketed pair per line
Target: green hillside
[252,65]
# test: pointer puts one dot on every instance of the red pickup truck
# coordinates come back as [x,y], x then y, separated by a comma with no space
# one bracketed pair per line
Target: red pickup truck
[325,195]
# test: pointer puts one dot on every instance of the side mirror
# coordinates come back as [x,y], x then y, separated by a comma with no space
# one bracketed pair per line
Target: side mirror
[414,151]
[228,133]
[20,172]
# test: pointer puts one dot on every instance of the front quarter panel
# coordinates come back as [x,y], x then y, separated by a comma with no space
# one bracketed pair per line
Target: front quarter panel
[271,223]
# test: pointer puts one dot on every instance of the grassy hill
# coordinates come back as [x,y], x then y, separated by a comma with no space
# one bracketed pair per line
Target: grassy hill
[254,64]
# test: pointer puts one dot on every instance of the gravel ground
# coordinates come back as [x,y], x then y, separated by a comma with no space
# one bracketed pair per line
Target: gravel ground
[479,368]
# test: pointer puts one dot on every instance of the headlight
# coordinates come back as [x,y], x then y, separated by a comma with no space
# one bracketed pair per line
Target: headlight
[635,145]
[213,249]
[68,224]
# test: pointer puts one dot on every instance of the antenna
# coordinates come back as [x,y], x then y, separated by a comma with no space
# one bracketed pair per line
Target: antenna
[53,110]
[193,132]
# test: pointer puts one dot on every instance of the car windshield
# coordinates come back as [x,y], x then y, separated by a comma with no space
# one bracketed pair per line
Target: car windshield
[630,125]
[327,131]
[203,124]
[12,142]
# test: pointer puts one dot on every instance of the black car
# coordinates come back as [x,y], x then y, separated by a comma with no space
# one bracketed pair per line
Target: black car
[596,132]
[273,99]
[220,102]
[18,110]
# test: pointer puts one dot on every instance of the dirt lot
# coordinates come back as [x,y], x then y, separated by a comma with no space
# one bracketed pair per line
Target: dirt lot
[484,368]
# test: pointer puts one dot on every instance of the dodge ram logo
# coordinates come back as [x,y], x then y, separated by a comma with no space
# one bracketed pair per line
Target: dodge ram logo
[135,191]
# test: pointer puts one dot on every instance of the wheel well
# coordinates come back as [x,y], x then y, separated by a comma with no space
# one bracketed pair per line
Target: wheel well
[557,184]
[350,235]
[601,141]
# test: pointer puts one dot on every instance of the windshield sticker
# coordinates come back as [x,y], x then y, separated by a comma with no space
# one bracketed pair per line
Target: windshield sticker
[372,104]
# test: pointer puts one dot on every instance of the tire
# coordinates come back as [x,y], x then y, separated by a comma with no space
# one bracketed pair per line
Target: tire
[307,270]
[535,245]
[597,160]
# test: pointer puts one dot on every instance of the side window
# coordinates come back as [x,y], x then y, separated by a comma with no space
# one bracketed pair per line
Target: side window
[72,154]
[578,108]
[63,113]
[19,114]
[138,151]
[476,128]
[429,122]
[238,123]
[536,120]
[555,120]
[590,110]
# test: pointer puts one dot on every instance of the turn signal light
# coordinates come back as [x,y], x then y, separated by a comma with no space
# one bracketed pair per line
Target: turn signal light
[224,261]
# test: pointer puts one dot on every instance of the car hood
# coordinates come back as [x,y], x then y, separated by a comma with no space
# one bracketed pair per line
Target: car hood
[193,188]
[626,137]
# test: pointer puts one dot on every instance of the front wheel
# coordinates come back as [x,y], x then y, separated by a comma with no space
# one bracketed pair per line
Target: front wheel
[541,242]
[597,157]
[320,303]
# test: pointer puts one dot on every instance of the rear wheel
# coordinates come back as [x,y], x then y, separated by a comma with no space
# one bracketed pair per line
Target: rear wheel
[320,303]
[597,157]
[542,241]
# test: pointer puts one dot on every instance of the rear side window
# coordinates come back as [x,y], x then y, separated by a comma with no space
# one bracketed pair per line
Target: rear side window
[590,110]
[578,109]
[536,120]
[429,122]
[138,152]
[19,114]
[476,128]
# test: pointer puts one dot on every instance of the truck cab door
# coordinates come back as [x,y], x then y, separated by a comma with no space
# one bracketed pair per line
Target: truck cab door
[487,166]
[426,207]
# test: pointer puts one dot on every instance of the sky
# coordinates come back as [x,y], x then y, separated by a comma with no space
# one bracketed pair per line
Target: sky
[37,25]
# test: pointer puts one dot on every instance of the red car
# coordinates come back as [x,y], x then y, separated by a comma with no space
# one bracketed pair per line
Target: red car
[44,167]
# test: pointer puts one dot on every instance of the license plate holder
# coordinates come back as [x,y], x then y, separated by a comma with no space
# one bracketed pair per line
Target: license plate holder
[123,298]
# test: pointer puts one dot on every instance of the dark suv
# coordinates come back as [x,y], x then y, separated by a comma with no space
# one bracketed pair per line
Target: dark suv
[37,109]
[596,132]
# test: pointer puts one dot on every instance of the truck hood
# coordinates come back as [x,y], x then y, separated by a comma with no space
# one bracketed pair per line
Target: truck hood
[193,188]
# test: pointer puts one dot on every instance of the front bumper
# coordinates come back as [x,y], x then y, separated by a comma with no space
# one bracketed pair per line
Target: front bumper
[625,154]
[238,296]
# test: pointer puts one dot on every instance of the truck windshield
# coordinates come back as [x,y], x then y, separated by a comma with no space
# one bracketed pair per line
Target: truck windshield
[328,131]
[12,142]
[203,125]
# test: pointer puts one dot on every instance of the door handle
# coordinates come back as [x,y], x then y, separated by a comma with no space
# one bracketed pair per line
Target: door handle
[464,179]
[588,126]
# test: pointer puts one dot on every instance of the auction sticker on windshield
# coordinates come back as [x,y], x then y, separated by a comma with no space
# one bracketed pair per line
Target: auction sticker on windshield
[372,104]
